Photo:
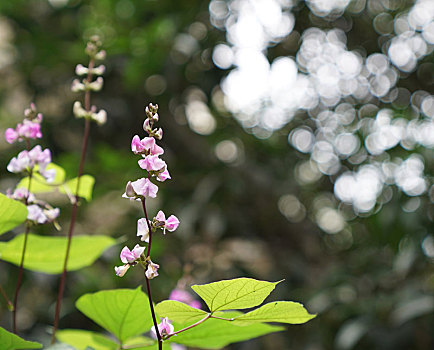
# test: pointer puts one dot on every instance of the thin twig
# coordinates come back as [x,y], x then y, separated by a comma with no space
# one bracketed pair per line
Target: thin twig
[23,253]
[148,287]
[189,327]
[5,296]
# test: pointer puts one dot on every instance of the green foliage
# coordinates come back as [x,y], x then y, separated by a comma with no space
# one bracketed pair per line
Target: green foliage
[46,254]
[215,333]
[39,184]
[179,312]
[81,340]
[123,312]
[85,190]
[12,213]
[239,293]
[278,311]
[10,341]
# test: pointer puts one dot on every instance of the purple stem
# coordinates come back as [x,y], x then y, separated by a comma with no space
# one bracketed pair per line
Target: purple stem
[148,287]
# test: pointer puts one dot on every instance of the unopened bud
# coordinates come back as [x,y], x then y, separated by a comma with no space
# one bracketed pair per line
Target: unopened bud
[129,190]
[99,70]
[158,134]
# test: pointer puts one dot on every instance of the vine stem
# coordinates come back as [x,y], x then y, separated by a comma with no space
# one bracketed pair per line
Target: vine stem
[74,208]
[148,287]
[23,253]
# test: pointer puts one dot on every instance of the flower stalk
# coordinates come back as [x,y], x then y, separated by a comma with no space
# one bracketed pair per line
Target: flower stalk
[90,114]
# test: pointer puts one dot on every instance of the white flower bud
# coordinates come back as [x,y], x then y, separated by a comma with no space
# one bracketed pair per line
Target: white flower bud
[77,86]
[100,55]
[78,110]
[158,134]
[96,85]
[100,117]
[99,70]
[81,70]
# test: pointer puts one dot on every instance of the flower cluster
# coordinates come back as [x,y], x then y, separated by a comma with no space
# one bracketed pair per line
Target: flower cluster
[87,84]
[39,212]
[30,128]
[29,162]
[143,188]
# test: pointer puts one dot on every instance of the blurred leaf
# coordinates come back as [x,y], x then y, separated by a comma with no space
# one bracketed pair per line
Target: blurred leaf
[416,307]
[239,293]
[123,312]
[9,341]
[350,333]
[46,254]
[179,312]
[39,183]
[82,339]
[12,213]
[215,333]
[85,190]
[139,343]
[278,311]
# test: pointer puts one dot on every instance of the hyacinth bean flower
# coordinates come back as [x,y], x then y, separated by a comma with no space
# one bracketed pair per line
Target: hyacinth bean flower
[171,224]
[121,270]
[27,160]
[130,256]
[145,146]
[141,188]
[152,163]
[39,215]
[152,270]
[164,328]
[184,297]
[143,230]
[163,176]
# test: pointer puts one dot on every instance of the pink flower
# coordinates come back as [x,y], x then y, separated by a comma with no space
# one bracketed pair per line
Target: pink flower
[136,145]
[170,224]
[184,297]
[151,146]
[29,130]
[163,176]
[121,270]
[140,188]
[164,328]
[152,163]
[152,270]
[130,256]
[143,230]
[21,194]
[36,214]
[11,135]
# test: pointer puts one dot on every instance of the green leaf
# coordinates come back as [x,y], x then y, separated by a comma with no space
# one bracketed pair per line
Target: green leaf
[123,312]
[12,213]
[144,343]
[10,341]
[46,254]
[179,312]
[81,339]
[239,293]
[39,184]
[85,190]
[278,311]
[215,333]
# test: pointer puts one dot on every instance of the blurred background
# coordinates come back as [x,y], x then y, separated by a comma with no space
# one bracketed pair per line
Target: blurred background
[299,136]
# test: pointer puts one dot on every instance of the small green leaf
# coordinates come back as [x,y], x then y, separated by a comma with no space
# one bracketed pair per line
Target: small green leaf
[278,311]
[12,213]
[215,333]
[46,254]
[39,183]
[81,339]
[10,341]
[85,190]
[179,312]
[239,293]
[123,312]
